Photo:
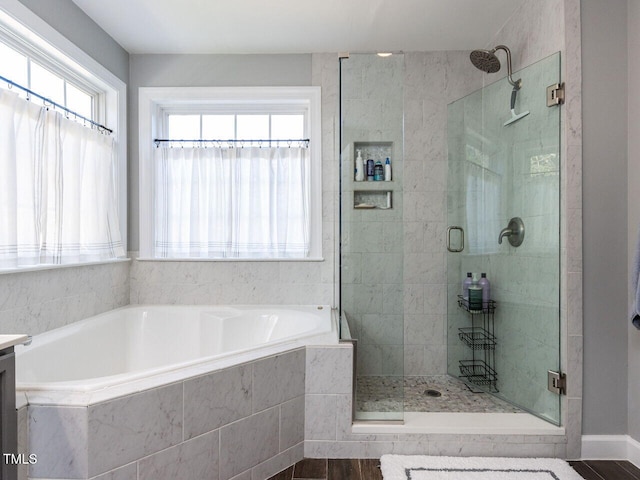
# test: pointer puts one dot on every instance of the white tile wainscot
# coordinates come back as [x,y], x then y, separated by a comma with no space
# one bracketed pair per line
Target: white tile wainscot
[244,422]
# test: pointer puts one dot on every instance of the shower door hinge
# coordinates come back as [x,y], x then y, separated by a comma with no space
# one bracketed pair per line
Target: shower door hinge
[555,94]
[557,382]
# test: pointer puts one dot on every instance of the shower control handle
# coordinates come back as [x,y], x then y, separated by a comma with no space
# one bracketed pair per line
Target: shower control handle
[514,232]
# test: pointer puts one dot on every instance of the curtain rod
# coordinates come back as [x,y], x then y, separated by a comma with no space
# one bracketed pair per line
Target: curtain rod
[302,141]
[46,101]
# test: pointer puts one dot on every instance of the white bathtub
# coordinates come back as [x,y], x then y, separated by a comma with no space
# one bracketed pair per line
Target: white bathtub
[139,347]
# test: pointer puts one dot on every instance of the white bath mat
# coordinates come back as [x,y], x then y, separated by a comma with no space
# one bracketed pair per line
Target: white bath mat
[420,467]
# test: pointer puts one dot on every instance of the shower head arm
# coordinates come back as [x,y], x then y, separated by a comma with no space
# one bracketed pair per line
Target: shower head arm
[515,83]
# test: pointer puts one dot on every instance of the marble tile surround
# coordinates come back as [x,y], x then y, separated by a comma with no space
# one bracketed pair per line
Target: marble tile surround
[37,301]
[243,420]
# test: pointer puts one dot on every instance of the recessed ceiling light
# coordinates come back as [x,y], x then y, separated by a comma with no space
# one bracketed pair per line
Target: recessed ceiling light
[385,54]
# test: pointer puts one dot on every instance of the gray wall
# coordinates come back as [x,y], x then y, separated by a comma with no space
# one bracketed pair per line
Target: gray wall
[68,19]
[199,71]
[604,60]
[633,204]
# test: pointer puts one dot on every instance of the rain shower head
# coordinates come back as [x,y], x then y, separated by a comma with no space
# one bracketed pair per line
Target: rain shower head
[487,61]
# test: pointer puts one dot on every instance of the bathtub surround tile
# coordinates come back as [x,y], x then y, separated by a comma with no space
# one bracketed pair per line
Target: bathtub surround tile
[239,283]
[141,436]
[278,379]
[243,476]
[195,459]
[124,430]
[320,417]
[278,463]
[248,442]
[292,422]
[61,443]
[214,400]
[329,369]
[34,302]
[128,472]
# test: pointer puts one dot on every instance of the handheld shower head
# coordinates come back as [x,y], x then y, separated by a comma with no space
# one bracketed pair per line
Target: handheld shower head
[487,61]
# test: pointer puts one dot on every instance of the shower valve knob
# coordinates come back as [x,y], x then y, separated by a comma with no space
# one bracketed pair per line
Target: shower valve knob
[514,232]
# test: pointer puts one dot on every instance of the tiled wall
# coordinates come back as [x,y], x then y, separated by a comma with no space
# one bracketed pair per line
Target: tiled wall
[37,301]
[233,283]
[244,422]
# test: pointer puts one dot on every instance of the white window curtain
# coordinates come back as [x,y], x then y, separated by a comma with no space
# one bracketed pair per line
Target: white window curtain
[245,202]
[57,188]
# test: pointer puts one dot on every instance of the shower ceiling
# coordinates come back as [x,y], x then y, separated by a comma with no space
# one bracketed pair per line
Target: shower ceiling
[295,26]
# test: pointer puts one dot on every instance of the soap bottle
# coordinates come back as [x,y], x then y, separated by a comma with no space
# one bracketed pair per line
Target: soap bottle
[465,286]
[387,170]
[486,290]
[359,167]
[475,295]
[370,170]
[378,172]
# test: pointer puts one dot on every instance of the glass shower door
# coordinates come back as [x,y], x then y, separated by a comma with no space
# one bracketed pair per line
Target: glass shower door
[371,238]
[497,174]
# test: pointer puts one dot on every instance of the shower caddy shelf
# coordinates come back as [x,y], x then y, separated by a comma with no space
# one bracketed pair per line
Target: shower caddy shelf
[480,338]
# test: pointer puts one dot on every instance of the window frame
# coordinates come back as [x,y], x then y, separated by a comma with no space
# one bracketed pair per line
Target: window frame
[22,27]
[155,103]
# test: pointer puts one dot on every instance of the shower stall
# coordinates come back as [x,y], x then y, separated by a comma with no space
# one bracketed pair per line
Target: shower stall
[475,188]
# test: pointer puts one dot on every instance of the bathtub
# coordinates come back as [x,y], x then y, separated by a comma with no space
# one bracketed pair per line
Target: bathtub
[140,347]
[143,387]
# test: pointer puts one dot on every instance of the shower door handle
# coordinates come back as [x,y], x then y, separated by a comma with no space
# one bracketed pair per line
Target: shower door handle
[449,230]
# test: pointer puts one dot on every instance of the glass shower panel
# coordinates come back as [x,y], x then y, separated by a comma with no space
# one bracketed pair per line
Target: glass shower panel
[497,173]
[371,239]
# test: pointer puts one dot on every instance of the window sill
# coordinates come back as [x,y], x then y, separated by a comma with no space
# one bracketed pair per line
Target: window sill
[151,259]
[36,268]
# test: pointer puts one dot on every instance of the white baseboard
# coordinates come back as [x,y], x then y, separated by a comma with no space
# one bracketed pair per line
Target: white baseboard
[611,447]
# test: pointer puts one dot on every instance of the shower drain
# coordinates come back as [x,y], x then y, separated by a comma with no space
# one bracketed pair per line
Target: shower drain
[432,393]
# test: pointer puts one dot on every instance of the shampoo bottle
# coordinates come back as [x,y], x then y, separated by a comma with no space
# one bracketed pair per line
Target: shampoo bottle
[378,172]
[466,283]
[475,295]
[387,170]
[370,170]
[359,167]
[486,290]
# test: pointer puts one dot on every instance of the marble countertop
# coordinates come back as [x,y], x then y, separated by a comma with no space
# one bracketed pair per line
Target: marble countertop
[7,341]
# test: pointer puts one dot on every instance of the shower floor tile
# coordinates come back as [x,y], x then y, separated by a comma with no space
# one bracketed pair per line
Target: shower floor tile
[384,394]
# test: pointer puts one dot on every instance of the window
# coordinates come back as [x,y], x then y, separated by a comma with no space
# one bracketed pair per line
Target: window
[17,65]
[63,185]
[237,175]
[266,126]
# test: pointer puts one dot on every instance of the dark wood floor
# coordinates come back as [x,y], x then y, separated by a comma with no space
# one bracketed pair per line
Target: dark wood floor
[369,469]
[606,470]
